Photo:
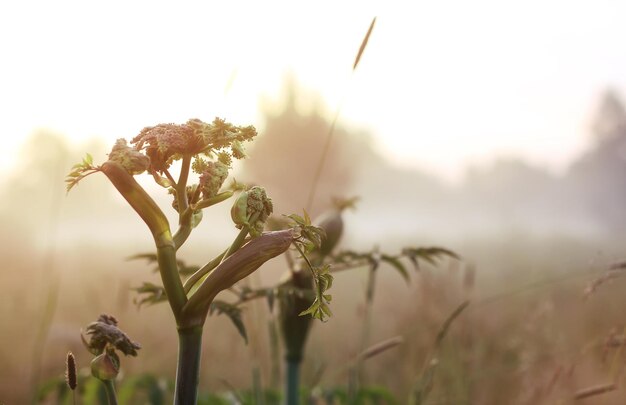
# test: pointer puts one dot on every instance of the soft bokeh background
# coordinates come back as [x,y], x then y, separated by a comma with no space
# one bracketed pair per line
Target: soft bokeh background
[494,129]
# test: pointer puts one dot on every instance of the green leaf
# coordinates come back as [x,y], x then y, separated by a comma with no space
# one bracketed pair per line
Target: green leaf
[429,254]
[307,218]
[233,313]
[397,264]
[80,171]
[323,280]
[154,294]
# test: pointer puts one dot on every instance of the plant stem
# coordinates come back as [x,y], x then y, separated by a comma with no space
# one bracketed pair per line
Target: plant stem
[292,387]
[357,373]
[109,386]
[257,385]
[188,371]
[274,350]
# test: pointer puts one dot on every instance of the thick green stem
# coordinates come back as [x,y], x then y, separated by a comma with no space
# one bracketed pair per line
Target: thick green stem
[166,257]
[188,371]
[152,215]
[292,386]
[109,386]
[237,243]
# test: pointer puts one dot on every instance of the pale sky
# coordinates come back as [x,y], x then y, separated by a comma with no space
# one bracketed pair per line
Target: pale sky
[441,84]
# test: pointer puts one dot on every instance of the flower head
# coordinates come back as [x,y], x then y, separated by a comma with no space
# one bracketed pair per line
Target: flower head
[165,143]
[104,334]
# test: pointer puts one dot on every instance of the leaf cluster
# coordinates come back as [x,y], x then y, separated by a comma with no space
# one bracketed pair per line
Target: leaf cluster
[310,236]
[348,259]
[80,171]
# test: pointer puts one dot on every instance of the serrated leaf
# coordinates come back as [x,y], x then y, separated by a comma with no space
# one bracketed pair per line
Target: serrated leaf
[233,313]
[152,294]
[297,218]
[428,254]
[396,264]
[150,257]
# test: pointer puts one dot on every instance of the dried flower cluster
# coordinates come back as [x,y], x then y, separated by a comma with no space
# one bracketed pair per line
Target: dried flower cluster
[104,333]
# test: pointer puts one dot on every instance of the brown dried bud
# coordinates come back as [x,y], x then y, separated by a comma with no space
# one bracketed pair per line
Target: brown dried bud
[105,333]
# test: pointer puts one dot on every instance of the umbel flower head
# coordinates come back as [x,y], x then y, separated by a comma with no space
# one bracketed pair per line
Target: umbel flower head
[165,143]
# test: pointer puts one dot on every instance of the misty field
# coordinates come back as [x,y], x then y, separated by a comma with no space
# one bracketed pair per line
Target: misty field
[333,276]
[528,335]
[531,310]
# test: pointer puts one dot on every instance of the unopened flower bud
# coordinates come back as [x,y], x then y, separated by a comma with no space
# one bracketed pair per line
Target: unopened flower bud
[104,367]
[253,203]
[129,158]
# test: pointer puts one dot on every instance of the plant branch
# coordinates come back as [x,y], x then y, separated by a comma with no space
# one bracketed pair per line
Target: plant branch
[202,271]
[152,215]
[181,186]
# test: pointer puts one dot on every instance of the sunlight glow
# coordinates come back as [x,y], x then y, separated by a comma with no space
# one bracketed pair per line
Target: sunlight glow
[441,84]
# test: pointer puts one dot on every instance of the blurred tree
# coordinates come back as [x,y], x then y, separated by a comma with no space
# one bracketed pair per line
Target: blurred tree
[34,190]
[294,142]
[598,178]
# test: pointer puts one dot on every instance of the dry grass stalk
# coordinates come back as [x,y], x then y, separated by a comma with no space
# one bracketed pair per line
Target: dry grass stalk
[595,390]
[381,347]
[614,271]
[363,44]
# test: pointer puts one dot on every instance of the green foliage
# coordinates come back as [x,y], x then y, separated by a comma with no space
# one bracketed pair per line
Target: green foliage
[89,390]
[233,313]
[153,294]
[183,268]
[80,171]
[350,259]
[310,236]
[323,280]
[429,254]
[143,388]
[369,395]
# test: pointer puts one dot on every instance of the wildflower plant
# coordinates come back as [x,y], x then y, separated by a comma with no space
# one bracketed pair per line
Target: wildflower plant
[206,149]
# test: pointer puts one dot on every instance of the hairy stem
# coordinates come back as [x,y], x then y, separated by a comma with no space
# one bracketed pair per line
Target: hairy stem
[188,369]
